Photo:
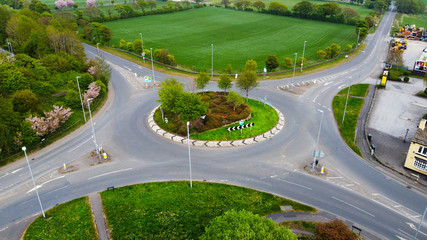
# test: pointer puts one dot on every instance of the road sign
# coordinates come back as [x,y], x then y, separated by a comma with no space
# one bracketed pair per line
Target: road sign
[241,122]
[143,54]
[318,153]
[240,127]
[265,70]
[147,78]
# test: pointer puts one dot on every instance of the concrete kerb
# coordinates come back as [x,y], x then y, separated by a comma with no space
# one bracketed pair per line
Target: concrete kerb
[215,144]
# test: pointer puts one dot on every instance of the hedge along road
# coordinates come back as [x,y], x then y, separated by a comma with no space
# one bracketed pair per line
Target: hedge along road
[236,36]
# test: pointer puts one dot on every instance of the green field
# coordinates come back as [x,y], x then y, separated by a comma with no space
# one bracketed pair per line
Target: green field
[420,20]
[71,220]
[173,210]
[237,36]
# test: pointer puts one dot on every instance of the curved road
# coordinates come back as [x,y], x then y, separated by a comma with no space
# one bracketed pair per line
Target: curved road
[353,190]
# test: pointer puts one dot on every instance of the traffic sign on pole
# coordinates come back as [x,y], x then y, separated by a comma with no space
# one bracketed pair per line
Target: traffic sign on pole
[147,78]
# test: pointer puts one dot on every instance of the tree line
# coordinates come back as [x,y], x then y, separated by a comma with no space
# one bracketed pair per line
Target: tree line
[330,11]
[38,88]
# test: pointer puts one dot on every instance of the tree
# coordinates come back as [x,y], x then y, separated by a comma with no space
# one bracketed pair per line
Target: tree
[301,61]
[24,101]
[229,68]
[251,65]
[304,9]
[106,34]
[169,92]
[246,3]
[225,2]
[288,63]
[328,52]
[60,4]
[152,4]
[202,80]
[335,49]
[9,121]
[90,3]
[348,47]
[38,6]
[260,5]
[277,8]
[122,44]
[382,5]
[142,4]
[51,122]
[235,98]
[350,15]
[137,46]
[335,229]
[245,225]
[247,81]
[190,106]
[224,82]
[91,93]
[271,63]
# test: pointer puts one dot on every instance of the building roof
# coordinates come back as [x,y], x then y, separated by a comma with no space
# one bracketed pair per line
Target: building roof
[421,134]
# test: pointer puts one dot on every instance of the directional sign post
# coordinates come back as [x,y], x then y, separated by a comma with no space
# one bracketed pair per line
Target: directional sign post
[241,123]
[147,78]
[240,127]
[318,154]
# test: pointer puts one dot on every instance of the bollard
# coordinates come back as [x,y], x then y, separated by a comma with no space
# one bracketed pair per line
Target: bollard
[146,85]
[65,167]
[105,156]
[322,171]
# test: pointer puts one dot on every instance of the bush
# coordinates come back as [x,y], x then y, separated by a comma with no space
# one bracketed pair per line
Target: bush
[72,99]
[406,79]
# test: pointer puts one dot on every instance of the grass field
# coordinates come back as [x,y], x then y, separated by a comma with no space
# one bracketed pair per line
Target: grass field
[354,106]
[237,36]
[172,210]
[420,20]
[71,220]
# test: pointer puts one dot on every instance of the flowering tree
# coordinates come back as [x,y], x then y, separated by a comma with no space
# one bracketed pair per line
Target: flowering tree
[52,121]
[90,3]
[60,4]
[92,92]
[70,3]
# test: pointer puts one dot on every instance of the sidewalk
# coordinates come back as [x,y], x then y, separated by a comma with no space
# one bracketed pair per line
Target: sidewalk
[98,216]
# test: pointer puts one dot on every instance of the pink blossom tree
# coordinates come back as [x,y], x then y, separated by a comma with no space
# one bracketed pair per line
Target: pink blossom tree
[52,121]
[70,3]
[90,3]
[60,4]
[92,92]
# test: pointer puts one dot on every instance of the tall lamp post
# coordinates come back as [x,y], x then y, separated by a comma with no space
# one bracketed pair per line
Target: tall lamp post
[81,101]
[34,183]
[357,42]
[189,153]
[152,65]
[346,101]
[421,221]
[97,47]
[295,66]
[317,142]
[93,129]
[212,61]
[142,46]
[303,51]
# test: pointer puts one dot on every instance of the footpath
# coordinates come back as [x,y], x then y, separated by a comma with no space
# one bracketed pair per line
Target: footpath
[99,216]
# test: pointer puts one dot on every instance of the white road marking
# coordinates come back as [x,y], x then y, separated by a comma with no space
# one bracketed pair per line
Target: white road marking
[48,181]
[59,188]
[3,229]
[127,68]
[294,184]
[315,98]
[17,170]
[338,83]
[324,106]
[326,84]
[407,234]
[79,145]
[4,175]
[324,89]
[6,187]
[100,175]
[415,228]
[351,205]
[333,178]
[342,86]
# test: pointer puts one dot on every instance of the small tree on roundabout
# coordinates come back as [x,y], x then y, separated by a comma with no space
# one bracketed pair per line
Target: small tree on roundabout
[202,80]
[247,81]
[235,98]
[169,93]
[224,82]
[190,106]
[245,225]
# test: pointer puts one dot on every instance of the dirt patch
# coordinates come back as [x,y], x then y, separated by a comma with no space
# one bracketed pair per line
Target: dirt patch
[88,160]
[298,89]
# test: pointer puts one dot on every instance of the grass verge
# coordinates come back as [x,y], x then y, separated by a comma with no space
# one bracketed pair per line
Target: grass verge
[354,106]
[173,210]
[71,220]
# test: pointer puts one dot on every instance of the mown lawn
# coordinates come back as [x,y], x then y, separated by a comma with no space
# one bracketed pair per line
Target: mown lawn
[420,20]
[354,106]
[71,220]
[172,210]
[236,35]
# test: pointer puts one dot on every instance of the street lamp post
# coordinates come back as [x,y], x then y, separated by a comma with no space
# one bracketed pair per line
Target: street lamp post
[295,66]
[97,47]
[81,101]
[152,65]
[212,61]
[189,153]
[317,142]
[303,51]
[142,46]
[346,101]
[357,42]
[34,183]
[93,129]
[421,221]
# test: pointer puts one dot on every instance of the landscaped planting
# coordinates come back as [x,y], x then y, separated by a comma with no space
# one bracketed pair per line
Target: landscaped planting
[354,106]
[71,220]
[173,210]
[236,36]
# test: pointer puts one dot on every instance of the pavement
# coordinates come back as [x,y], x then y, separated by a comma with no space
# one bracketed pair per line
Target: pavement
[386,115]
[235,143]
[98,216]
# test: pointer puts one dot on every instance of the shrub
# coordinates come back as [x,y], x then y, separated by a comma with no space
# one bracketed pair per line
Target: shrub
[406,79]
[271,62]
[72,99]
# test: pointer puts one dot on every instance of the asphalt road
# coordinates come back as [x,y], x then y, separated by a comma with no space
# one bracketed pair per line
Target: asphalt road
[380,206]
